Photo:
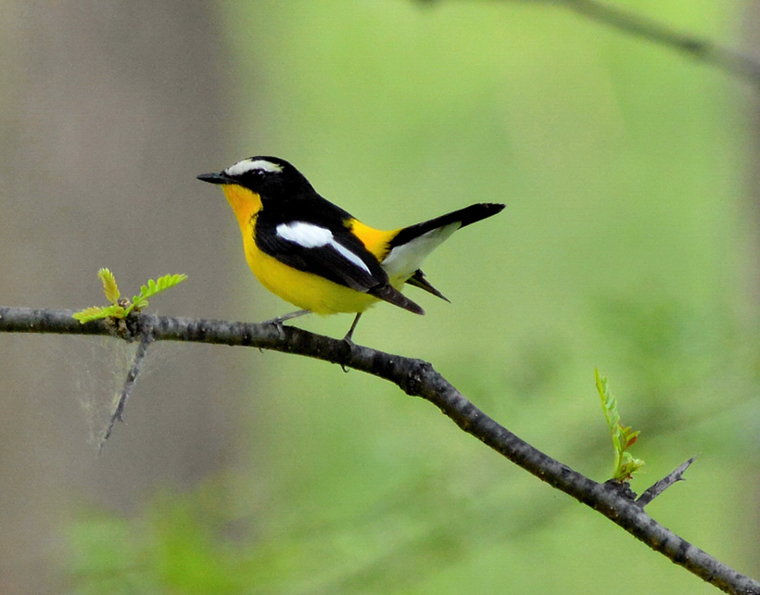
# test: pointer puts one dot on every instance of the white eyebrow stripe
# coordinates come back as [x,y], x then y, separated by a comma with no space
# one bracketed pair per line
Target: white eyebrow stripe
[246,165]
[309,235]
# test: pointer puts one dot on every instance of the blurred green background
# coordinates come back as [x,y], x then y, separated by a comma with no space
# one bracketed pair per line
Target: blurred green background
[628,244]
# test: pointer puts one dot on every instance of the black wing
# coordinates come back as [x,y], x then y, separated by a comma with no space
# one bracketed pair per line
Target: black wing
[327,260]
[343,259]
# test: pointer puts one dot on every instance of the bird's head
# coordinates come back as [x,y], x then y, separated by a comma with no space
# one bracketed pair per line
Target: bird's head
[271,178]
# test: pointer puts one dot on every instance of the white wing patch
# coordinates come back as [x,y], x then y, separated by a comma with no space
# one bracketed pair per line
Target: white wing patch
[309,235]
[246,165]
[403,260]
[305,234]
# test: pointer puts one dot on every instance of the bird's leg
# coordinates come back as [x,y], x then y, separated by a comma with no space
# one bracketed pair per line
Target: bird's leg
[280,319]
[347,339]
[350,332]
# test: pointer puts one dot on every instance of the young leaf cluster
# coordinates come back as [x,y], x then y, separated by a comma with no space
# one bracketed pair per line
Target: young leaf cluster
[622,436]
[122,307]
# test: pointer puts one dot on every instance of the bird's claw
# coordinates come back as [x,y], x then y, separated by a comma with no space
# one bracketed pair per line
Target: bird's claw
[277,323]
[349,348]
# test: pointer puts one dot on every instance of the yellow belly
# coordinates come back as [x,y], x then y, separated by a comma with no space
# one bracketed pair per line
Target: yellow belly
[304,290]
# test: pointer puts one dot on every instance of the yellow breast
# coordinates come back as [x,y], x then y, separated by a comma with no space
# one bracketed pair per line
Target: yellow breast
[304,290]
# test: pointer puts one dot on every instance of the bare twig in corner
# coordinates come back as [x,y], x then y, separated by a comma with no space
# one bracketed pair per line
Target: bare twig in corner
[725,59]
[703,50]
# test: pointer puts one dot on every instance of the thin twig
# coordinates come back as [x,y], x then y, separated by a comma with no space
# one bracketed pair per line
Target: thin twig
[729,61]
[659,487]
[703,50]
[417,378]
[129,385]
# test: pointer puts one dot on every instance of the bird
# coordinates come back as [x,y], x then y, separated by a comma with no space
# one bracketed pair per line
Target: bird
[317,256]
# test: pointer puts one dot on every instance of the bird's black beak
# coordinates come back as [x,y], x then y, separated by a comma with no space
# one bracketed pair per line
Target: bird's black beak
[216,178]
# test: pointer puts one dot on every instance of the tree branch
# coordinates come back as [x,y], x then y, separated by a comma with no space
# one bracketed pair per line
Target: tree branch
[416,378]
[729,61]
[703,50]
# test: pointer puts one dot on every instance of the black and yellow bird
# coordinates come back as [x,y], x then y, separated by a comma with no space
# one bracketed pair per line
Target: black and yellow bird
[317,256]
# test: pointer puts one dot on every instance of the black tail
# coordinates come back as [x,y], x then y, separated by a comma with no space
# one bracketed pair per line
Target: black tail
[419,280]
[393,296]
[465,216]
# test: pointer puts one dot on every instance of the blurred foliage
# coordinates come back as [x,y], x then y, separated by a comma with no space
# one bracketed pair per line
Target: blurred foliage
[623,247]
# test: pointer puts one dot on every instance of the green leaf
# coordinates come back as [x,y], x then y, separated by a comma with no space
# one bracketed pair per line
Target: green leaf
[96,312]
[140,301]
[109,285]
[622,436]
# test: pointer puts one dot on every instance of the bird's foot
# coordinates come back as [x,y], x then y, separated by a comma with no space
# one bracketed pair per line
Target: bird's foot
[349,350]
[347,339]
[277,322]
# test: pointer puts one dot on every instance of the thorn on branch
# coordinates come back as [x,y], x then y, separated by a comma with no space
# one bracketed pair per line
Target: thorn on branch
[662,485]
